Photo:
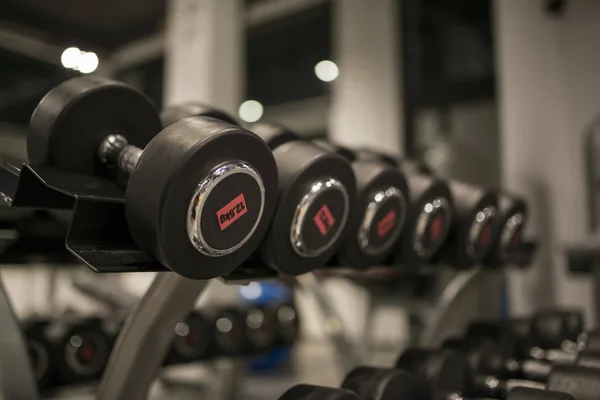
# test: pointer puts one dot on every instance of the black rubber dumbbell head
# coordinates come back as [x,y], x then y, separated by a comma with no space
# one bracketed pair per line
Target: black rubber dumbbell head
[512,216]
[583,383]
[174,113]
[71,121]
[430,210]
[484,356]
[525,393]
[428,221]
[337,149]
[260,327]
[382,207]
[312,392]
[588,358]
[214,178]
[549,328]
[501,333]
[200,196]
[317,194]
[83,351]
[589,340]
[43,361]
[471,233]
[192,339]
[384,384]
[446,371]
[287,322]
[372,155]
[229,333]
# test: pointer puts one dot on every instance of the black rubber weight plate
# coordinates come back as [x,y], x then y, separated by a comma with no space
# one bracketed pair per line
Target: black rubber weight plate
[71,121]
[172,114]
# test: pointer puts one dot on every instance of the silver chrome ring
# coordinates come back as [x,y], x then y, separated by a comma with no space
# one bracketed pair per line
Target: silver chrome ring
[212,179]
[509,229]
[316,189]
[96,365]
[423,222]
[373,207]
[481,219]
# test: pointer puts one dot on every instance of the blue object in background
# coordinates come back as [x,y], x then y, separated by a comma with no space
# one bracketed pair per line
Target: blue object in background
[265,294]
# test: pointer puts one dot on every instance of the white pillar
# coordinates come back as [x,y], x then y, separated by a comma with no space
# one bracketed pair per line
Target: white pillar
[549,85]
[204,52]
[366,108]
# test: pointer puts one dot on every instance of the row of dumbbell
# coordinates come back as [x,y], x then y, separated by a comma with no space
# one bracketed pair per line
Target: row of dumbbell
[203,195]
[73,350]
[470,367]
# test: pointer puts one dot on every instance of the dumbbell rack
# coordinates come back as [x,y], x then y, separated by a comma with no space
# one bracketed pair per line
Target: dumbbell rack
[16,377]
[99,237]
[97,234]
[443,314]
[146,336]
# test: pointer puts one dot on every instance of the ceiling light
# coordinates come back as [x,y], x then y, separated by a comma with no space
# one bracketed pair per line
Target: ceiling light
[88,62]
[251,111]
[70,57]
[327,71]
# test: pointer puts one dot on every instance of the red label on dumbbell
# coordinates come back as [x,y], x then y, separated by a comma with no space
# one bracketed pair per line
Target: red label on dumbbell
[516,237]
[192,338]
[232,211]
[485,234]
[386,223]
[435,228]
[324,220]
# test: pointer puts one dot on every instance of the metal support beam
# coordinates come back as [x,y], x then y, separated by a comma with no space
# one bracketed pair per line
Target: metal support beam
[366,100]
[145,339]
[204,57]
[16,377]
[549,94]
[30,47]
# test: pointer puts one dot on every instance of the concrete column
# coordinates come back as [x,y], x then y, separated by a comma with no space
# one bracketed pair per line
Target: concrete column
[204,52]
[366,106]
[549,89]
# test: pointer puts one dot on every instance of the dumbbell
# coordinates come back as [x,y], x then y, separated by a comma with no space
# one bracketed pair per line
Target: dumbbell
[507,238]
[372,383]
[382,206]
[317,197]
[41,354]
[473,223]
[312,392]
[485,358]
[430,212]
[260,329]
[287,323]
[229,331]
[448,371]
[580,382]
[80,347]
[317,193]
[192,341]
[552,328]
[200,195]
[522,337]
